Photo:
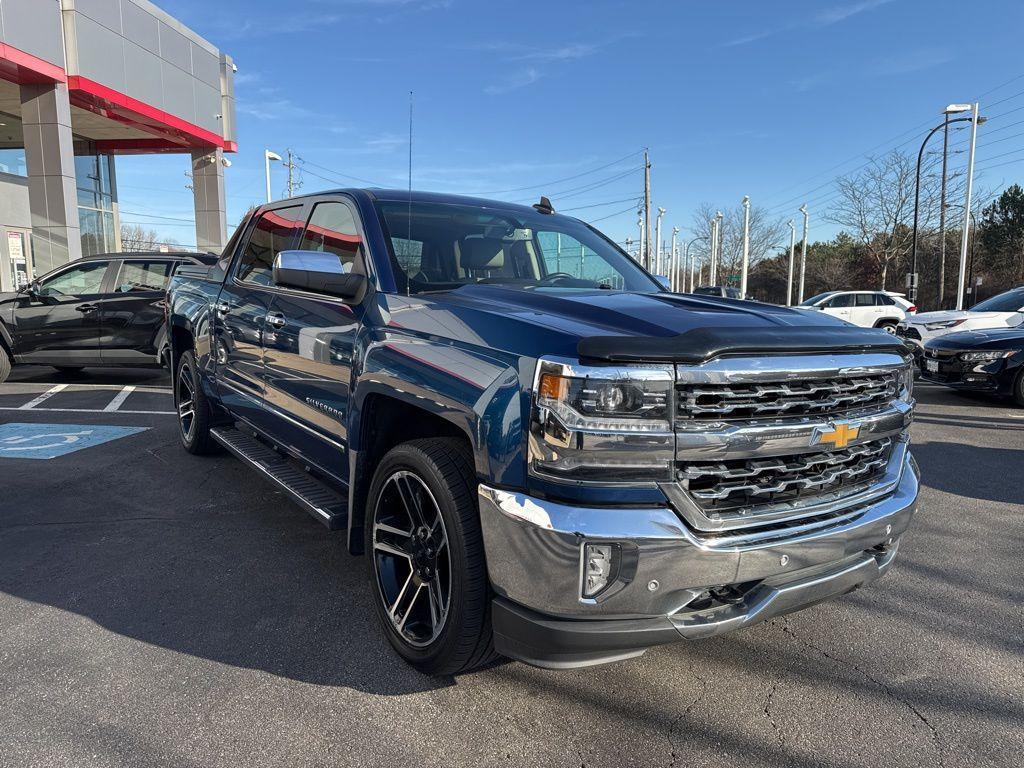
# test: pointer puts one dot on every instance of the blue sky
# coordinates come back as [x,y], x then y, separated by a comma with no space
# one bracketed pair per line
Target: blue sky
[769,99]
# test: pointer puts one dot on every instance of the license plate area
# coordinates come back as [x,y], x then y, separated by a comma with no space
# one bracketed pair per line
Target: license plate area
[932,366]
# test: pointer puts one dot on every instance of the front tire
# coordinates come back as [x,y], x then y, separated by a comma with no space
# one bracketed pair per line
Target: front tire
[5,365]
[195,415]
[426,561]
[1018,389]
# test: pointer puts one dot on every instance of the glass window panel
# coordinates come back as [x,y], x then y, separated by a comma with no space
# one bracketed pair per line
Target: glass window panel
[80,281]
[274,232]
[332,229]
[143,276]
[12,161]
[93,239]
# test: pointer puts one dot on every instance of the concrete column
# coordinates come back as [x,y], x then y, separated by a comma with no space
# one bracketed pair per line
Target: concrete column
[50,159]
[211,208]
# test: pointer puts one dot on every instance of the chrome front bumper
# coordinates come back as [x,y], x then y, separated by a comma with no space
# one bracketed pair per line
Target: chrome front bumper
[534,552]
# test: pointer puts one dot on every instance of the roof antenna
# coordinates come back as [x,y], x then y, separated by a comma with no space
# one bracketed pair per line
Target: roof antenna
[544,206]
[408,239]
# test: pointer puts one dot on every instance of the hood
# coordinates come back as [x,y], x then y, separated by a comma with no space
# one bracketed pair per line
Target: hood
[1000,338]
[945,316]
[617,319]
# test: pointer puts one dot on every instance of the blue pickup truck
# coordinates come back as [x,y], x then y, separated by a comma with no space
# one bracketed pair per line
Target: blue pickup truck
[542,453]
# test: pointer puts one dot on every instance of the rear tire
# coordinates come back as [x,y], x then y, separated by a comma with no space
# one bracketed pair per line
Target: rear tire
[888,326]
[195,415]
[5,365]
[426,563]
[1018,389]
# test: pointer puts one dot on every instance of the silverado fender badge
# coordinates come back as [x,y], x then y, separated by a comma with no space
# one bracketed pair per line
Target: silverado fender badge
[836,435]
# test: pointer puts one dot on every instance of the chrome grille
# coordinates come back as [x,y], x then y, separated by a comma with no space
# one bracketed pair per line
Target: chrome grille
[809,397]
[725,485]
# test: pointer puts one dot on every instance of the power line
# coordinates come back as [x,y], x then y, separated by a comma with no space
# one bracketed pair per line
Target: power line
[610,215]
[154,216]
[567,178]
[574,191]
[331,171]
[635,198]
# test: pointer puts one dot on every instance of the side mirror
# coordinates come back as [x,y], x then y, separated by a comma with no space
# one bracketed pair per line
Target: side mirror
[319,272]
[664,282]
[33,289]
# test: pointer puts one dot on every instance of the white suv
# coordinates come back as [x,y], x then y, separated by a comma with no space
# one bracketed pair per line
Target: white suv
[868,309]
[1005,310]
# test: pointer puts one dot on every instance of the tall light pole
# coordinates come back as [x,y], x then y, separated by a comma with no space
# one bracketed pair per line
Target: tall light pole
[792,252]
[967,210]
[803,253]
[690,263]
[673,277]
[721,240]
[267,157]
[712,266]
[640,226]
[746,247]
[657,242]
[952,109]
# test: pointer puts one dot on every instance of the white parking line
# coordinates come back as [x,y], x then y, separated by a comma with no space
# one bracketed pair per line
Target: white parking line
[31,404]
[119,399]
[90,410]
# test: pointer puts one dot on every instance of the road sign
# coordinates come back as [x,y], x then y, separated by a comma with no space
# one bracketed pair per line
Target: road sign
[48,441]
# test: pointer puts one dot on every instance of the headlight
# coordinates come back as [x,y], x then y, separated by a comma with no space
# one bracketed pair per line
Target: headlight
[908,383]
[604,425]
[945,324]
[986,356]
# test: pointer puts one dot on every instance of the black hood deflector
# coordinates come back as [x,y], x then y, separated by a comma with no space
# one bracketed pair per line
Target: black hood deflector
[702,344]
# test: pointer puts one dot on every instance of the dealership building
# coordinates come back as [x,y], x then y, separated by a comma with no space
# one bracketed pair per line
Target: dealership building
[82,81]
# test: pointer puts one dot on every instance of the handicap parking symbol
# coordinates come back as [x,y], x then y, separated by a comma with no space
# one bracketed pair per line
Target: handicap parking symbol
[48,441]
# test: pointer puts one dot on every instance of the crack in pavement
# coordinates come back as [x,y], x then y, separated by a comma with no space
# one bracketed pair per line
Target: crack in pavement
[885,687]
[689,707]
[767,708]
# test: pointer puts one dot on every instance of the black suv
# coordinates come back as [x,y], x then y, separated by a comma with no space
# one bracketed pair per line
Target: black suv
[96,311]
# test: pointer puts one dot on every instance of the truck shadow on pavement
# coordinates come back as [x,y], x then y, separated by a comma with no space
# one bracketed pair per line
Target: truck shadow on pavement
[947,465]
[228,571]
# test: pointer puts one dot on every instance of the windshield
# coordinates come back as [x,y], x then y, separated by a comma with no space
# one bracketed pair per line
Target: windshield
[445,246]
[1011,301]
[815,299]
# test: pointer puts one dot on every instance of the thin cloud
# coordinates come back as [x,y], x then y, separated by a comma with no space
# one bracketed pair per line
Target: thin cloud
[564,53]
[514,82]
[911,61]
[826,17]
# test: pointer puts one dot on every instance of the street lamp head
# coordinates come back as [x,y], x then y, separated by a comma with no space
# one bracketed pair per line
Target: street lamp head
[719,215]
[746,199]
[982,119]
[271,155]
[675,230]
[955,109]
[661,212]
[803,209]
[791,223]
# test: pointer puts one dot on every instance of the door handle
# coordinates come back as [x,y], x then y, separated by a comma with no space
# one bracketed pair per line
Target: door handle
[222,309]
[86,307]
[275,319]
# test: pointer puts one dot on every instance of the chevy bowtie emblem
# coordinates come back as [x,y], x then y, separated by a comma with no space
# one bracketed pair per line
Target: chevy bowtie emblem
[839,436]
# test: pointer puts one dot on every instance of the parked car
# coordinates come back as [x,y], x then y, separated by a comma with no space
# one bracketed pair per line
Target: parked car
[1006,310]
[718,290]
[981,361]
[868,309]
[100,310]
[561,462]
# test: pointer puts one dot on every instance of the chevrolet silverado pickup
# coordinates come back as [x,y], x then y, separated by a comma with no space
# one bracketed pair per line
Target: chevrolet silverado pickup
[540,451]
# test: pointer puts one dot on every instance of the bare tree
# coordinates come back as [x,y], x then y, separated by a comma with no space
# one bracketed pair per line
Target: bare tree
[766,234]
[135,237]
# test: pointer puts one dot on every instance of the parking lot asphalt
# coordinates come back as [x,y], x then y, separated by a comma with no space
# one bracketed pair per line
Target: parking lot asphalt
[160,609]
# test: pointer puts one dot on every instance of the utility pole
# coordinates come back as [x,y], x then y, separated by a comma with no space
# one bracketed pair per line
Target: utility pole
[967,210]
[746,247]
[803,253]
[647,211]
[292,182]
[942,214]
[673,276]
[792,251]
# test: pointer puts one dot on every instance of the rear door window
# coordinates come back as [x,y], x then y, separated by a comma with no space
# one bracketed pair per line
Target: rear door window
[140,276]
[274,231]
[865,299]
[841,302]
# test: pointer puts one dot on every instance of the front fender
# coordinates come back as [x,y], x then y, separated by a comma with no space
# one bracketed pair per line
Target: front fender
[476,391]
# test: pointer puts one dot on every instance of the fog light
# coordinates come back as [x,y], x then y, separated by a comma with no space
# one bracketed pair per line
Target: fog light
[600,563]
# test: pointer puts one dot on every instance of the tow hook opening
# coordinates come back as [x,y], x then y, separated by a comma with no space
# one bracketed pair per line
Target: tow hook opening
[722,596]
